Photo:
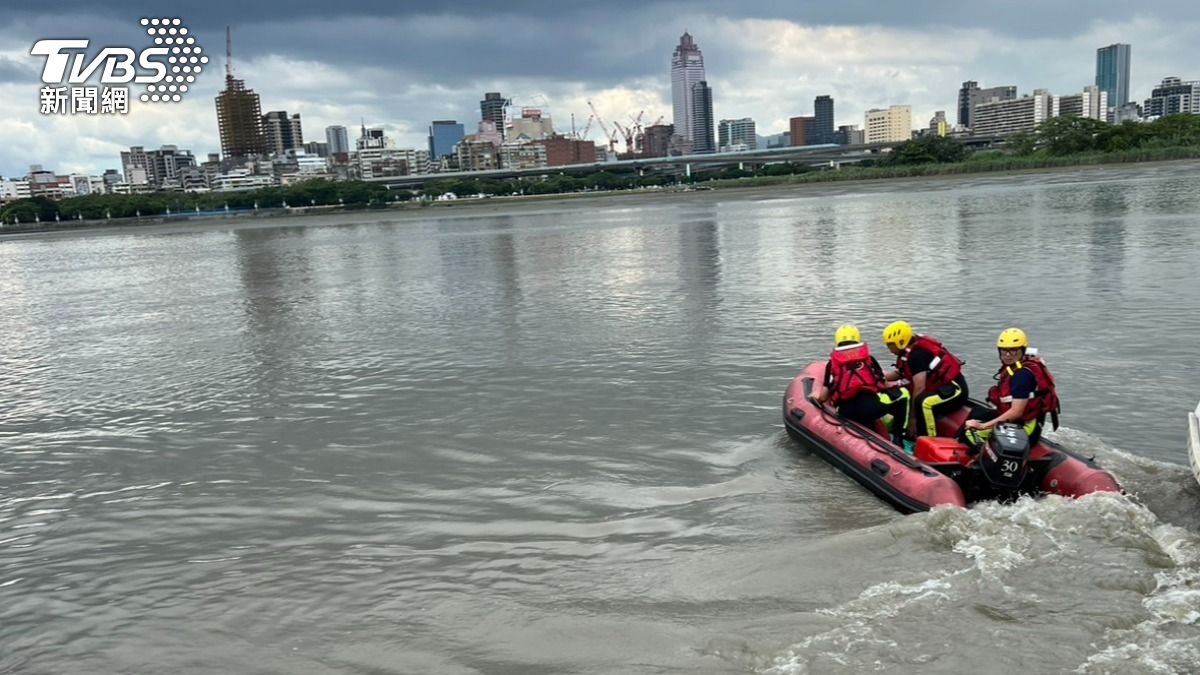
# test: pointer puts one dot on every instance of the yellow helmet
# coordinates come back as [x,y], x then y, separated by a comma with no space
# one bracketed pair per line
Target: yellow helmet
[898,333]
[847,333]
[1012,338]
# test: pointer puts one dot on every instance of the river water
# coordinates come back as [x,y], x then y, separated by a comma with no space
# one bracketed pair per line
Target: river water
[546,438]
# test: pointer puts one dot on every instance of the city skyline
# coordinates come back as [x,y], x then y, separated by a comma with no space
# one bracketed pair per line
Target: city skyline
[767,63]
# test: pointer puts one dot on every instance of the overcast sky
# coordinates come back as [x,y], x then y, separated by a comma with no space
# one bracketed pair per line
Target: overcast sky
[400,65]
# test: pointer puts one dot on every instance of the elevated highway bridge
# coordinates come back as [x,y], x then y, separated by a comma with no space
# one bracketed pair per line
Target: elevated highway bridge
[681,165]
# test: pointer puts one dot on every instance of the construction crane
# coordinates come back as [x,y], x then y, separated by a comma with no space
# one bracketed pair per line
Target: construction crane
[611,138]
[586,128]
[628,133]
[633,142]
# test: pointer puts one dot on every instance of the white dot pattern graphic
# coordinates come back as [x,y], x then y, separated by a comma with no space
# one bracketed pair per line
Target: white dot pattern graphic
[170,32]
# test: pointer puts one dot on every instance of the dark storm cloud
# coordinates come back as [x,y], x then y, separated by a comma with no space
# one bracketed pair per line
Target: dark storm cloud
[603,43]
[12,70]
[402,64]
[1029,18]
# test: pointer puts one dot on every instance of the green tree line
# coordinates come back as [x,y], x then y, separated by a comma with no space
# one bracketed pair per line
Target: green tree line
[349,194]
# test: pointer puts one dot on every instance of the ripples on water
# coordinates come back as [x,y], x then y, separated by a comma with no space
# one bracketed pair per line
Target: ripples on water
[546,439]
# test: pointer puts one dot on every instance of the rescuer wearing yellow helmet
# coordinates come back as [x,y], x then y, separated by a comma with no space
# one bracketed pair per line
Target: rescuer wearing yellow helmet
[1024,392]
[854,383]
[936,384]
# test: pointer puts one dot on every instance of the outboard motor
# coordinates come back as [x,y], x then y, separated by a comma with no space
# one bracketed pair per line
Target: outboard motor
[1005,458]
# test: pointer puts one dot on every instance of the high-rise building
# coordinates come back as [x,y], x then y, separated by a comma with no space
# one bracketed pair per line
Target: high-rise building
[373,138]
[893,125]
[111,177]
[822,130]
[800,130]
[656,140]
[1173,96]
[938,126]
[239,120]
[1112,73]
[523,155]
[781,140]
[473,154]
[1092,102]
[239,115]
[156,169]
[12,189]
[964,102]
[530,126]
[970,95]
[737,134]
[561,151]
[1007,92]
[337,139]
[849,134]
[687,69]
[443,134]
[1004,118]
[702,119]
[491,109]
[282,132]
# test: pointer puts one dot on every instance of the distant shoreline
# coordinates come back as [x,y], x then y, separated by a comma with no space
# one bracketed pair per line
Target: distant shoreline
[797,184]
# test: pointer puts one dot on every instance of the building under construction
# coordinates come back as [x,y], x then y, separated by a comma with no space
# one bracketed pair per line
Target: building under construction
[239,114]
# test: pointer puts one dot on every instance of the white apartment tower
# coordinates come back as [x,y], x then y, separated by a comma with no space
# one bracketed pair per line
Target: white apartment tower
[687,68]
[888,126]
[1005,118]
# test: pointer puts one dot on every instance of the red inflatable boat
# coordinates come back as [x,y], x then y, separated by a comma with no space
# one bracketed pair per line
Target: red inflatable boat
[941,470]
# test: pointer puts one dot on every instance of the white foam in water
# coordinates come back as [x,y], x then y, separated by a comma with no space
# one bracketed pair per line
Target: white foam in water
[1154,645]
[1001,541]
[877,603]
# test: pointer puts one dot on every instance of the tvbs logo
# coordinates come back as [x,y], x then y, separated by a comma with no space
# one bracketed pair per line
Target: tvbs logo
[168,68]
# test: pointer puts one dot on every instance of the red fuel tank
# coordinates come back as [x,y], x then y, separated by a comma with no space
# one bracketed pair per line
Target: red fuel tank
[938,450]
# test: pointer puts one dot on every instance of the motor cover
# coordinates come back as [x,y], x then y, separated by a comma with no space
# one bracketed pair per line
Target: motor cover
[1005,458]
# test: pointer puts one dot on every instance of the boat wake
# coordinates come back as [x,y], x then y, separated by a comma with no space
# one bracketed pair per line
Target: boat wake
[1107,583]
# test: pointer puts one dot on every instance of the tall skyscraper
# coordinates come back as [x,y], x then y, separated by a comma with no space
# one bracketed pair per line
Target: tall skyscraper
[964,102]
[823,127]
[702,119]
[443,134]
[337,139]
[282,132]
[239,114]
[491,109]
[687,68]
[1112,73]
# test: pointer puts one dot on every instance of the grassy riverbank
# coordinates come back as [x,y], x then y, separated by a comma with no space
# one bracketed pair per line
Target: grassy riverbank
[879,176]
[1058,143]
[979,163]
